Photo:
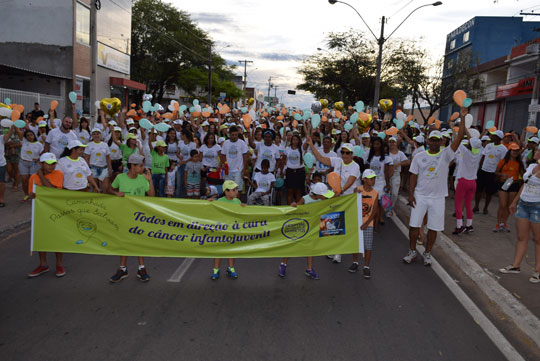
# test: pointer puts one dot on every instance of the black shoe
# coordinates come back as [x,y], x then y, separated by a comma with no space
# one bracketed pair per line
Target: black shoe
[143,275]
[119,275]
[469,229]
[459,230]
[353,268]
[367,272]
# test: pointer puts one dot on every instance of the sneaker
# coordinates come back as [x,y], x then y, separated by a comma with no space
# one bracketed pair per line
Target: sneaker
[231,272]
[367,272]
[60,271]
[506,228]
[38,271]
[469,229]
[411,256]
[119,275]
[535,278]
[311,274]
[459,230]
[282,270]
[143,275]
[497,228]
[215,274]
[336,258]
[330,256]
[354,267]
[510,269]
[428,260]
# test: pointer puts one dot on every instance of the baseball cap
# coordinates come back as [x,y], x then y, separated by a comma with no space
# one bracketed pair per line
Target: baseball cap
[369,173]
[161,143]
[533,139]
[321,189]
[419,139]
[476,144]
[131,136]
[229,185]
[348,146]
[205,123]
[514,146]
[365,135]
[435,134]
[484,138]
[117,129]
[221,139]
[130,121]
[42,124]
[132,129]
[113,123]
[48,158]
[464,142]
[96,130]
[446,134]
[136,159]
[393,139]
[74,144]
[498,133]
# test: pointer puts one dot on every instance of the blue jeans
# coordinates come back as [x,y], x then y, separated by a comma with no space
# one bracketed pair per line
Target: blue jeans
[180,181]
[159,184]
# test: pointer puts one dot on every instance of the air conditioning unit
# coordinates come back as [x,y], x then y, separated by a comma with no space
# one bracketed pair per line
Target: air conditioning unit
[532,49]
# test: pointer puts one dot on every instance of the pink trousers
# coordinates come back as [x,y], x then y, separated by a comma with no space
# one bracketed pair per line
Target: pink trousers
[464,192]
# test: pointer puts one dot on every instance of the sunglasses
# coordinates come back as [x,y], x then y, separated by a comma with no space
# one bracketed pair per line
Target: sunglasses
[345,152]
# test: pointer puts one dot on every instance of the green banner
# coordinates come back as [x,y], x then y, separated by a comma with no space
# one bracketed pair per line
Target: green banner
[81,222]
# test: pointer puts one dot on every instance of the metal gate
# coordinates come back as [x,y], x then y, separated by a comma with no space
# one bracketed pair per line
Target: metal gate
[27,99]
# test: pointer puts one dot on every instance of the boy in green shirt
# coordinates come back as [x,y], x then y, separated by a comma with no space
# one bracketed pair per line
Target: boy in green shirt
[160,163]
[136,182]
[230,188]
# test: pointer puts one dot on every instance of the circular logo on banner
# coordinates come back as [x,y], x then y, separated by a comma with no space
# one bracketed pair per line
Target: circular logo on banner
[295,228]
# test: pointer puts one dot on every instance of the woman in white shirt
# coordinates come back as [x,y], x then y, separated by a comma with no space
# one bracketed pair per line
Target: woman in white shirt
[172,145]
[98,156]
[527,208]
[295,175]
[186,145]
[29,162]
[83,131]
[381,163]
[400,160]
[77,174]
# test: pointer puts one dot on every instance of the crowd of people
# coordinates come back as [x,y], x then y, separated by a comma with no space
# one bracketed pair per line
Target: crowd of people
[278,159]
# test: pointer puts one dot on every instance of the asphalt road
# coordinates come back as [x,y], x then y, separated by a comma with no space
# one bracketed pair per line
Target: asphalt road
[403,313]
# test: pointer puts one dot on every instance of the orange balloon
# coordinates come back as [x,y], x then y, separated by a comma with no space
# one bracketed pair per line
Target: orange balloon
[283,111]
[247,120]
[219,105]
[363,116]
[53,105]
[15,115]
[133,105]
[398,111]
[492,129]
[349,107]
[431,120]
[325,110]
[206,114]
[295,123]
[324,119]
[391,131]
[410,117]
[438,124]
[459,97]
[195,114]
[337,114]
[532,129]
[19,108]
[334,180]
[454,116]
[280,117]
[167,115]
[131,113]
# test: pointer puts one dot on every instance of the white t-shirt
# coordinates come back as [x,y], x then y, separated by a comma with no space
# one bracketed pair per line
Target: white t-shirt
[115,152]
[267,152]
[323,167]
[31,151]
[468,163]
[34,129]
[345,171]
[83,135]
[76,172]
[210,155]
[531,189]
[492,155]
[58,140]
[234,153]
[171,177]
[398,158]
[171,151]
[293,158]
[378,165]
[185,149]
[263,181]
[98,153]
[417,151]
[432,171]
[3,161]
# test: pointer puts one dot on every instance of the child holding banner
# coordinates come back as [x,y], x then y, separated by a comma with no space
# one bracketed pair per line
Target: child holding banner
[230,188]
[318,192]
[136,182]
[47,176]
[369,208]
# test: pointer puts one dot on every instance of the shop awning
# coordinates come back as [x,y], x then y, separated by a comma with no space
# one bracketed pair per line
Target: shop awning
[131,84]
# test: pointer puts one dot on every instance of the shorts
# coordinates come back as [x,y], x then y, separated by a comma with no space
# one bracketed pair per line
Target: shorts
[99,172]
[193,189]
[295,178]
[514,187]
[28,167]
[487,181]
[169,190]
[434,207]
[368,239]
[13,158]
[529,211]
[236,177]
[3,174]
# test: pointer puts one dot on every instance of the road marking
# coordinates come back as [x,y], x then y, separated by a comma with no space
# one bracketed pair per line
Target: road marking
[478,316]
[181,270]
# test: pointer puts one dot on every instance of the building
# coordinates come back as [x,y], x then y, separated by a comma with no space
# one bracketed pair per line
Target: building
[45,52]
[479,41]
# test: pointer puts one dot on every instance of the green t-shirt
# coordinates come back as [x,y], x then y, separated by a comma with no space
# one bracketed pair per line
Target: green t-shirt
[159,162]
[129,186]
[234,201]
[127,151]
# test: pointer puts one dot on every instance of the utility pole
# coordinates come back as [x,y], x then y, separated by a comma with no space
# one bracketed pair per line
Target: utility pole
[93,61]
[269,87]
[380,41]
[210,74]
[533,107]
[244,83]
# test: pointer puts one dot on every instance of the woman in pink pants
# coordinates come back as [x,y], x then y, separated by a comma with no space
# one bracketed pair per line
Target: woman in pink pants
[468,159]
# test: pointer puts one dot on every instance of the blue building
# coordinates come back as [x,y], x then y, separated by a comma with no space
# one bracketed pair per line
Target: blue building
[483,39]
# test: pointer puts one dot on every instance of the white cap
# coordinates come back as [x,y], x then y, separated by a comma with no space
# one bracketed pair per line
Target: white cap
[484,138]
[475,143]
[322,190]
[498,133]
[369,173]
[132,128]
[533,139]
[113,123]
[348,146]
[419,139]
[75,143]
[48,158]
[435,134]
[117,129]
[365,135]
[392,138]
[42,123]
[177,121]
[464,142]
[130,121]
[96,130]
[221,140]
[205,123]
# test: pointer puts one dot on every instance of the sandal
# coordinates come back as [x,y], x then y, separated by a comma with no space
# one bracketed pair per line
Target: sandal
[535,278]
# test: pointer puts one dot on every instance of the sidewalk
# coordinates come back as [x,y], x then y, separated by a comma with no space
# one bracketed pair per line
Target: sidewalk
[15,213]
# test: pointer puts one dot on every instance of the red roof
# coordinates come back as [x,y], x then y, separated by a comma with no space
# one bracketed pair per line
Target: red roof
[127,83]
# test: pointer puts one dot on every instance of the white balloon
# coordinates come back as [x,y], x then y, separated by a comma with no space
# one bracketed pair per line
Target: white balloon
[5,112]
[252,114]
[468,120]
[197,108]
[6,123]
[171,107]
[97,104]
[474,133]
[401,116]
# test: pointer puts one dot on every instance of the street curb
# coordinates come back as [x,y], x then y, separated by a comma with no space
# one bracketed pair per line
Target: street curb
[524,319]
[15,227]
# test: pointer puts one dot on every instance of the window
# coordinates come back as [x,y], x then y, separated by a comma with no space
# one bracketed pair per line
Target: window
[82,33]
[466,37]
[450,63]
[452,44]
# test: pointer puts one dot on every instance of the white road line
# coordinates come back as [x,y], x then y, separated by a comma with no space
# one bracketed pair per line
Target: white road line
[478,316]
[181,270]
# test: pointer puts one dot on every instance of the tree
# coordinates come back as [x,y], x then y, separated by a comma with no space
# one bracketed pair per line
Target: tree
[347,71]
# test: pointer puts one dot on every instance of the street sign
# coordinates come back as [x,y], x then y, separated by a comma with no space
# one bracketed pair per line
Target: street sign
[292,92]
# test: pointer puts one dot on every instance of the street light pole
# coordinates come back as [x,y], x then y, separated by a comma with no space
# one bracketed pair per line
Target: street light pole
[210,74]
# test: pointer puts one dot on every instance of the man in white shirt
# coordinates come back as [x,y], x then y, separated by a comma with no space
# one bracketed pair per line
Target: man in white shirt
[428,190]
[58,138]
[235,152]
[491,155]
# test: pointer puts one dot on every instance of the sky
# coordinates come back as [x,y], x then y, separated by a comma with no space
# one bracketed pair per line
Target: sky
[278,34]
